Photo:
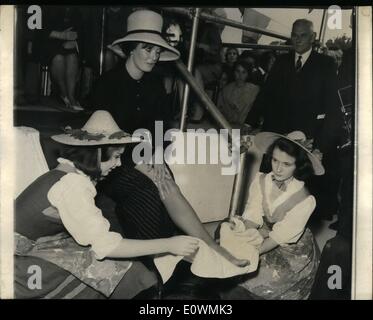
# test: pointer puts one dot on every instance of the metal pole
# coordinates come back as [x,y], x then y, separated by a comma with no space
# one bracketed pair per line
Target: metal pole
[102,39]
[229,22]
[237,192]
[257,46]
[322,24]
[324,28]
[192,48]
[202,95]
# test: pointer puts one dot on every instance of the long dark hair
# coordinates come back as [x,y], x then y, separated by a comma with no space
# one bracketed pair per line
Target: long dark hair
[303,165]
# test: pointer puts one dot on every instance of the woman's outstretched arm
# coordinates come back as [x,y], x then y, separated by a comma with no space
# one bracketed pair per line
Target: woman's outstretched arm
[268,245]
[178,245]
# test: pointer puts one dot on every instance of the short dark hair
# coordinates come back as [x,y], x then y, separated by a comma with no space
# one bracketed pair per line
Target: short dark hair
[85,158]
[231,49]
[88,158]
[247,54]
[305,22]
[108,150]
[265,57]
[127,47]
[303,165]
[247,67]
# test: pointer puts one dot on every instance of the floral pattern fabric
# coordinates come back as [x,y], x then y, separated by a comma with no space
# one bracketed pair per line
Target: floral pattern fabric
[63,251]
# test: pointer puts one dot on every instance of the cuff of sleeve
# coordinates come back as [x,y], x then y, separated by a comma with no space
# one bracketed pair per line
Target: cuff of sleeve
[284,241]
[102,250]
[276,238]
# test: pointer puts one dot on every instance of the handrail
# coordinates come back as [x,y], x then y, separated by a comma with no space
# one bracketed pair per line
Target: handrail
[192,47]
[103,26]
[257,46]
[227,22]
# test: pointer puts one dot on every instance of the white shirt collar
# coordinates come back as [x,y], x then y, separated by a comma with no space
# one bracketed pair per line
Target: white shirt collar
[66,161]
[305,57]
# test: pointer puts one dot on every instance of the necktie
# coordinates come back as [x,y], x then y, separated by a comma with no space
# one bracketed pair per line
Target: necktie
[280,184]
[298,65]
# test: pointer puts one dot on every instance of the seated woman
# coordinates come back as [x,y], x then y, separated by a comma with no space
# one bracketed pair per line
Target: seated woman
[60,233]
[237,97]
[136,98]
[279,206]
[231,57]
[62,39]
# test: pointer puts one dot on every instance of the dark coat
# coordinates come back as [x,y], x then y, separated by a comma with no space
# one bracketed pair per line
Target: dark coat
[305,101]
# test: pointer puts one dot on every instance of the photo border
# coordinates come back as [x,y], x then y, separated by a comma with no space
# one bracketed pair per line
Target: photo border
[362,223]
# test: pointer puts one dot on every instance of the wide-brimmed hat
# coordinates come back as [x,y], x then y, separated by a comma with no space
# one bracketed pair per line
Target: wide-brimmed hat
[264,139]
[146,26]
[100,129]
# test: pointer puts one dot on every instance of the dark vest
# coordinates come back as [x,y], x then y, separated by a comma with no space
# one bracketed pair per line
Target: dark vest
[35,217]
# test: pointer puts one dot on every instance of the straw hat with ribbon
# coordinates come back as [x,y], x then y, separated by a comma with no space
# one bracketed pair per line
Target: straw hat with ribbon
[100,129]
[264,139]
[146,26]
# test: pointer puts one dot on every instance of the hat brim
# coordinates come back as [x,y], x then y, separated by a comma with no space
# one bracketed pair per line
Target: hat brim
[72,141]
[264,139]
[168,54]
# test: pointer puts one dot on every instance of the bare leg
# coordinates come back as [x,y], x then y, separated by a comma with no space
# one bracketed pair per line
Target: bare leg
[58,68]
[184,216]
[71,75]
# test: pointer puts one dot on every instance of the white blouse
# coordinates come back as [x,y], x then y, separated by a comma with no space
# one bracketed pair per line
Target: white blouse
[291,227]
[74,198]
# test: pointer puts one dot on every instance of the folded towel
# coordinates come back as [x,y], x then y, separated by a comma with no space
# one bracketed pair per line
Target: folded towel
[241,242]
[207,263]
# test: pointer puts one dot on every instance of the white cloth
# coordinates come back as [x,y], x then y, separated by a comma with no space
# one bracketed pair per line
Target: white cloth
[305,57]
[207,263]
[291,228]
[242,243]
[73,196]
[30,160]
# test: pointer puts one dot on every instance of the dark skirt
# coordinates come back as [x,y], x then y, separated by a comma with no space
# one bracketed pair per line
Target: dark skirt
[139,208]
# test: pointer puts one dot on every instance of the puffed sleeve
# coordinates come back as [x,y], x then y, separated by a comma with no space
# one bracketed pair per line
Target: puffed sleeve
[73,196]
[253,208]
[291,227]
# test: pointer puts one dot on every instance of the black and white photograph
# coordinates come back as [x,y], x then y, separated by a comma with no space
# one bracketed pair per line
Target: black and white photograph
[186,153]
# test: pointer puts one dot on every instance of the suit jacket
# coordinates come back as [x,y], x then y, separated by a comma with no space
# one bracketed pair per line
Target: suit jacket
[305,101]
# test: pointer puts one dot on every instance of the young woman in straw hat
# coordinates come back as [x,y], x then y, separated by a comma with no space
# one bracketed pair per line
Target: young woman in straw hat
[136,98]
[57,220]
[279,207]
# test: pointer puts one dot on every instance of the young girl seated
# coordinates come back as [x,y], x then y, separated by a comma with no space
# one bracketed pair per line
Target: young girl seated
[64,246]
[279,207]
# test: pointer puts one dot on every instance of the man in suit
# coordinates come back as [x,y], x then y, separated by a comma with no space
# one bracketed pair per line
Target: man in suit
[301,94]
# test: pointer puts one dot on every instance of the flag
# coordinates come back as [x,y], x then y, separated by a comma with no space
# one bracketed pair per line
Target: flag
[253,18]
